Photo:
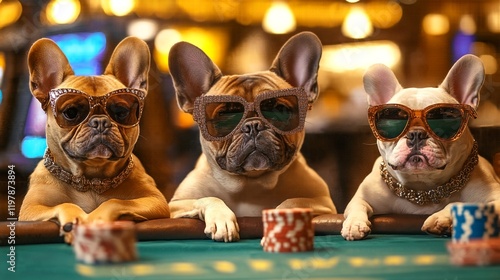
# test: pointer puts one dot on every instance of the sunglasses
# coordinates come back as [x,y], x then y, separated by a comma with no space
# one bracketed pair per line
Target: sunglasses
[220,116]
[72,107]
[443,121]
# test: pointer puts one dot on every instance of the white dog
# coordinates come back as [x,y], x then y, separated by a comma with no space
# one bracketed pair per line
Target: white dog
[428,155]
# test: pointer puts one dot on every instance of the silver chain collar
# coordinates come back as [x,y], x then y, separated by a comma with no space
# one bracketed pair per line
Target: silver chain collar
[436,195]
[82,183]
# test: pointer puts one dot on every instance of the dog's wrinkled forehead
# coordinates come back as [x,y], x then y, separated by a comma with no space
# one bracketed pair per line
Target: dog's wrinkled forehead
[93,85]
[248,86]
[419,98]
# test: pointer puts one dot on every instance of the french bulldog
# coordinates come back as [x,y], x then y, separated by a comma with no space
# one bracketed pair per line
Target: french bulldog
[428,157]
[251,132]
[89,172]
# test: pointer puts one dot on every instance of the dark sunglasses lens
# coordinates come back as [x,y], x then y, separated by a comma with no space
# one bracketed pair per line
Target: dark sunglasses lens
[391,122]
[445,122]
[71,109]
[223,117]
[281,112]
[124,109]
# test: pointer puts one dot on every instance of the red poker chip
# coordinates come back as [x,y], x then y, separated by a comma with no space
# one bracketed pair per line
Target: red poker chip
[105,242]
[287,230]
[478,252]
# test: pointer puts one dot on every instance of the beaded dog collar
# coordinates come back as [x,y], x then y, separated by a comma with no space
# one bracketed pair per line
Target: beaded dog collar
[82,183]
[436,195]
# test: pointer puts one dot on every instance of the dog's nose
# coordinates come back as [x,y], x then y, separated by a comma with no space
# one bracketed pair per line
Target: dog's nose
[100,123]
[416,138]
[252,127]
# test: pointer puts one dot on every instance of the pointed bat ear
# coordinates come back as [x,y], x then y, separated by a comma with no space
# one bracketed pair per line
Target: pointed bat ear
[193,73]
[380,84]
[465,79]
[130,63]
[48,68]
[298,62]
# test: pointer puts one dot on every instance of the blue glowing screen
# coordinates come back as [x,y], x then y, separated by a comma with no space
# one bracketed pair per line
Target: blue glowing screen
[84,52]
[462,45]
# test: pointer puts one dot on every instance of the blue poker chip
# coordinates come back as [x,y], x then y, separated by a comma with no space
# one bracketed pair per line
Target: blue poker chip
[474,221]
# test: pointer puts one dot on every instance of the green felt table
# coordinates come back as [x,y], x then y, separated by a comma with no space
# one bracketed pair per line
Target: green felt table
[378,257]
[178,249]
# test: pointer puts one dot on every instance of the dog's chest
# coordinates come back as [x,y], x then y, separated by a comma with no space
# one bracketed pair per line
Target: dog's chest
[403,206]
[88,200]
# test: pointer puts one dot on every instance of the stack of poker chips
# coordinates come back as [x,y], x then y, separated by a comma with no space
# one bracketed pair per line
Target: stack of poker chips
[287,230]
[105,242]
[475,237]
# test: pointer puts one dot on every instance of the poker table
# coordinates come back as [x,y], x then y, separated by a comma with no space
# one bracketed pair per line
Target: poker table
[178,249]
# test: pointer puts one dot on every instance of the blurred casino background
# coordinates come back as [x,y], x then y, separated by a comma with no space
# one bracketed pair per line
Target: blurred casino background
[418,39]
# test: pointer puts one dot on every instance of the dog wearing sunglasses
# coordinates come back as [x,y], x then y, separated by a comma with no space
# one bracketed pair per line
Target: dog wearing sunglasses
[89,172]
[252,128]
[428,155]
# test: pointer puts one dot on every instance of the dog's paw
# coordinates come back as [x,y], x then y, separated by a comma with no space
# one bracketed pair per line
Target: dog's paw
[221,225]
[69,214]
[438,224]
[355,229]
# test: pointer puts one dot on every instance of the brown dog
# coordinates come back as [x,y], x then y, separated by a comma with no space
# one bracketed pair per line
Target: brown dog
[252,131]
[89,172]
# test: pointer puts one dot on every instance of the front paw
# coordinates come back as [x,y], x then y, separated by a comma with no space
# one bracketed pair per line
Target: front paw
[355,229]
[69,214]
[221,225]
[438,224]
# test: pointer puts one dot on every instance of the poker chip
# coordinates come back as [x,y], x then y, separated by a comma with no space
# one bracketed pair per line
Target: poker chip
[475,235]
[479,252]
[474,221]
[105,242]
[287,230]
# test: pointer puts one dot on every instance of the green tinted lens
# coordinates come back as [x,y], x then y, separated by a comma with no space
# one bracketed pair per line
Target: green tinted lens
[391,122]
[445,122]
[223,117]
[281,112]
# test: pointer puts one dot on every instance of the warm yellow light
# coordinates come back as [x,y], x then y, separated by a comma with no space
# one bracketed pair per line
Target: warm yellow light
[493,21]
[2,62]
[357,25]
[63,11]
[121,7]
[279,19]
[359,56]
[9,12]
[467,25]
[490,64]
[144,29]
[165,39]
[384,14]
[436,24]
[203,38]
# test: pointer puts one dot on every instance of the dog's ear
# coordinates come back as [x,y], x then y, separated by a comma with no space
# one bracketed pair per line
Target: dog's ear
[380,84]
[130,62]
[298,62]
[48,67]
[193,73]
[464,80]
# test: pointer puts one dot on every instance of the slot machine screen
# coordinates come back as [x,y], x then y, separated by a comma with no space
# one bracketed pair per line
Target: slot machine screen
[85,52]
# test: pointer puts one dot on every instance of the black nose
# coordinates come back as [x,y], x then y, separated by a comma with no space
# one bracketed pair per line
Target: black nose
[100,122]
[416,138]
[252,128]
